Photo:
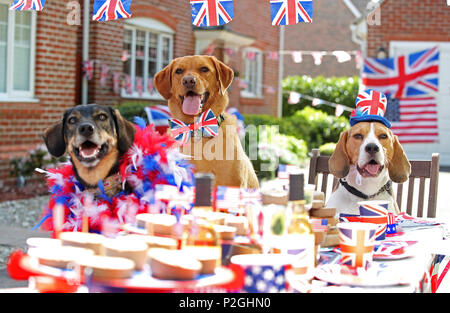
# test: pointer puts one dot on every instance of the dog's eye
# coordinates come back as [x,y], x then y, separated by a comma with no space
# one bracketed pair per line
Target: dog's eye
[204,69]
[102,117]
[72,120]
[383,136]
[179,71]
[358,136]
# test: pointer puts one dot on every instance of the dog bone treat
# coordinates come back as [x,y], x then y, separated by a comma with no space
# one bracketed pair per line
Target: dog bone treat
[127,247]
[173,264]
[156,241]
[59,257]
[36,242]
[317,204]
[157,224]
[83,240]
[209,257]
[108,267]
[318,195]
[240,222]
[325,212]
[225,232]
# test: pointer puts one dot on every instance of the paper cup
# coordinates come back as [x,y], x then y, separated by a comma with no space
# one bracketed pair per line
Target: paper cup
[375,212]
[262,273]
[356,241]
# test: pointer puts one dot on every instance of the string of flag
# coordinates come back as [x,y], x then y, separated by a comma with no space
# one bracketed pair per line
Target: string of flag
[204,13]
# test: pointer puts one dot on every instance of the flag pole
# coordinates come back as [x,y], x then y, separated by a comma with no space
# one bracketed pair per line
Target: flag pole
[280,73]
[84,85]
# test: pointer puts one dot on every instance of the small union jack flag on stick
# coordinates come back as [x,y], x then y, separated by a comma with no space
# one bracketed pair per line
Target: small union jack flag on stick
[107,10]
[291,12]
[88,69]
[24,5]
[211,12]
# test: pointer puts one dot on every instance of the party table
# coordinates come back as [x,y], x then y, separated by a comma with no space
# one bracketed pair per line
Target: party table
[407,274]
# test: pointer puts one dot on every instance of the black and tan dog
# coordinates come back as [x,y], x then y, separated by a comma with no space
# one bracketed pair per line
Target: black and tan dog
[95,137]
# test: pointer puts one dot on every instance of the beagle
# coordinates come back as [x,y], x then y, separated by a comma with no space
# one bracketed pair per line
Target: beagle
[194,85]
[367,159]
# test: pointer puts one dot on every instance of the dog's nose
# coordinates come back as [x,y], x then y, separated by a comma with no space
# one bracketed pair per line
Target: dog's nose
[372,148]
[189,82]
[86,129]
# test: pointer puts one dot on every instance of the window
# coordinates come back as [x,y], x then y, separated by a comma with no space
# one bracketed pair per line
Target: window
[148,47]
[17,38]
[253,73]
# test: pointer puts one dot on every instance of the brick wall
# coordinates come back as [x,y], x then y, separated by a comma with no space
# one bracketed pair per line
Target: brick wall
[22,124]
[329,31]
[411,20]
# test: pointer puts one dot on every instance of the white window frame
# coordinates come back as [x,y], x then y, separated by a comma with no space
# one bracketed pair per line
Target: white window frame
[259,73]
[12,95]
[162,31]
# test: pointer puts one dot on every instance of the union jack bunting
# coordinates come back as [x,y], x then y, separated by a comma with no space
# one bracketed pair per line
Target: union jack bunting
[211,12]
[206,125]
[139,85]
[104,69]
[116,82]
[88,69]
[24,5]
[128,84]
[356,246]
[158,115]
[150,85]
[291,12]
[415,74]
[107,10]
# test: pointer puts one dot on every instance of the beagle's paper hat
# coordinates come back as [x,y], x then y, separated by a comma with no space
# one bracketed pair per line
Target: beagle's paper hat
[370,107]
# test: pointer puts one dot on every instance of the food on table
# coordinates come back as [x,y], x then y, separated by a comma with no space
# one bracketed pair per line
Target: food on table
[324,212]
[173,264]
[318,195]
[240,222]
[35,242]
[107,267]
[157,224]
[83,240]
[317,204]
[60,257]
[156,241]
[127,247]
[209,257]
[225,232]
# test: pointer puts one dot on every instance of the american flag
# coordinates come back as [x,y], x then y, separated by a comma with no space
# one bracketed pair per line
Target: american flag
[264,279]
[290,12]
[413,119]
[284,170]
[319,224]
[23,5]
[415,74]
[211,12]
[158,115]
[88,69]
[356,246]
[391,227]
[107,10]
[227,198]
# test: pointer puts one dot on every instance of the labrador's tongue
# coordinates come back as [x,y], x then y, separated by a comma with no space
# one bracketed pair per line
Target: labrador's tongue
[191,104]
[372,168]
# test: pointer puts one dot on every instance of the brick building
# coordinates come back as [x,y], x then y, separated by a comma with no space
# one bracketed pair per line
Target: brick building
[40,61]
[408,26]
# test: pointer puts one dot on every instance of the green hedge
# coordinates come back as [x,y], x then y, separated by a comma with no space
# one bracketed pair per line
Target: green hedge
[130,109]
[341,90]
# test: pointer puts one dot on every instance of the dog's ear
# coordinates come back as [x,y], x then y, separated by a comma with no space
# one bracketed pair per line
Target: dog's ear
[163,82]
[125,131]
[54,139]
[399,167]
[339,162]
[224,74]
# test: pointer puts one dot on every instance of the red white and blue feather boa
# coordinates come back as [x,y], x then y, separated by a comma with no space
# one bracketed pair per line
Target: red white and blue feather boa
[152,159]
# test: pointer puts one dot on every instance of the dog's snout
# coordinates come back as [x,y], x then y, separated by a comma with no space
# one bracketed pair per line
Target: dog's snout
[189,82]
[372,148]
[86,129]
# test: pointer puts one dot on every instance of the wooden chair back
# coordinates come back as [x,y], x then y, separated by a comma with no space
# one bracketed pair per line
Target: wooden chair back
[421,171]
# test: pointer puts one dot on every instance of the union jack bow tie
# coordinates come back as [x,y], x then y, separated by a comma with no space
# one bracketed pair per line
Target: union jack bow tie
[207,125]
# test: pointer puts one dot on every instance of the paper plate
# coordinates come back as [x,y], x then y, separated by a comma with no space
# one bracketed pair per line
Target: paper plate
[376,275]
[393,250]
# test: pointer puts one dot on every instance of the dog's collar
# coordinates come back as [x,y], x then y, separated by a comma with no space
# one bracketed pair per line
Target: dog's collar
[111,186]
[387,187]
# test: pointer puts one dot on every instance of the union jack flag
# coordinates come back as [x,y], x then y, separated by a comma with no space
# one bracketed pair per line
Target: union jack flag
[158,115]
[370,102]
[356,246]
[291,12]
[415,74]
[24,5]
[107,10]
[438,270]
[88,69]
[372,208]
[206,125]
[211,12]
